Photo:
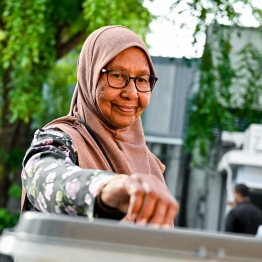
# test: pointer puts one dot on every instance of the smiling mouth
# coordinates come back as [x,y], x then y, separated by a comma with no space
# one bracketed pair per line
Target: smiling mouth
[127,109]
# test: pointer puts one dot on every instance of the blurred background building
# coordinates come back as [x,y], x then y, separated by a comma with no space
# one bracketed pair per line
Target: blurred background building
[203,191]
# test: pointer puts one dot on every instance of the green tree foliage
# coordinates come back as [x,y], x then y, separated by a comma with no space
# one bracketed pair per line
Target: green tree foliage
[207,12]
[9,219]
[38,32]
[39,44]
[218,105]
[57,90]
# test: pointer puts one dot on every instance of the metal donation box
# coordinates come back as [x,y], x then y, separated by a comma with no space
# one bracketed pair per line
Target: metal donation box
[59,238]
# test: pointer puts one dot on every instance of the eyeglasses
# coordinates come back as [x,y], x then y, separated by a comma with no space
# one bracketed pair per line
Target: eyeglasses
[120,79]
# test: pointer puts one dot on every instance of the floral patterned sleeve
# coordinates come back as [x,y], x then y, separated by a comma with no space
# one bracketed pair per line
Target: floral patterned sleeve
[55,183]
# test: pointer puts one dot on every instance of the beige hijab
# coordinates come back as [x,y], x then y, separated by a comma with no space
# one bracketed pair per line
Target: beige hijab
[126,148]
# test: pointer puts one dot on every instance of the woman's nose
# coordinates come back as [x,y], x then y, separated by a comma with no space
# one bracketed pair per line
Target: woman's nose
[130,90]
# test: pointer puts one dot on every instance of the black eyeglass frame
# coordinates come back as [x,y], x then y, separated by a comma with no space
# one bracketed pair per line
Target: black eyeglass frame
[131,77]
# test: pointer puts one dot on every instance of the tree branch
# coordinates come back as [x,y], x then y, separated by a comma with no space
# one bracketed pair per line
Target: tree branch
[65,48]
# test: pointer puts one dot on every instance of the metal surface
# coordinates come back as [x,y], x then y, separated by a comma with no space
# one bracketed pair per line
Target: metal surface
[50,237]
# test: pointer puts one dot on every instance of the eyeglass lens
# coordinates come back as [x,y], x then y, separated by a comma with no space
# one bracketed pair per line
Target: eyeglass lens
[120,79]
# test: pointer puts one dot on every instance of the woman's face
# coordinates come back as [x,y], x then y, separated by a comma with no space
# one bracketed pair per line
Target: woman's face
[122,106]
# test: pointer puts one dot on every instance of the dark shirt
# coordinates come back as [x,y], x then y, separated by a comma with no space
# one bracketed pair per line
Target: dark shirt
[245,218]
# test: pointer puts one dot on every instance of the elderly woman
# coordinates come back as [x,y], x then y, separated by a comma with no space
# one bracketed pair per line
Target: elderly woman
[95,162]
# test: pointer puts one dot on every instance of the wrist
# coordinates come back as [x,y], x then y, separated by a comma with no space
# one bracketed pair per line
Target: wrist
[105,200]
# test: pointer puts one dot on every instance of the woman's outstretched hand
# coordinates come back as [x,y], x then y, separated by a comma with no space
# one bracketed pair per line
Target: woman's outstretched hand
[145,199]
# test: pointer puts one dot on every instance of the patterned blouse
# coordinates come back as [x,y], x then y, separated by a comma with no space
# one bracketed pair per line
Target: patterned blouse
[55,183]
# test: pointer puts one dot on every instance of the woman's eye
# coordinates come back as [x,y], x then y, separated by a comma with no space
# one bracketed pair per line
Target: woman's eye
[116,75]
[141,80]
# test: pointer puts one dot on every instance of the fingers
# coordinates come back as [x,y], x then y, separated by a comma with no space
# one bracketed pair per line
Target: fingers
[150,201]
[158,215]
[144,198]
[144,206]
[171,214]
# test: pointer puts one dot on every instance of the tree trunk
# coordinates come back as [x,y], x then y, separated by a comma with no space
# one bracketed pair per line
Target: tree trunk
[16,136]
[14,140]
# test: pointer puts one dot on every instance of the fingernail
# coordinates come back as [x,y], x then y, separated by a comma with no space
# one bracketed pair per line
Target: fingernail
[142,221]
[166,226]
[155,225]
